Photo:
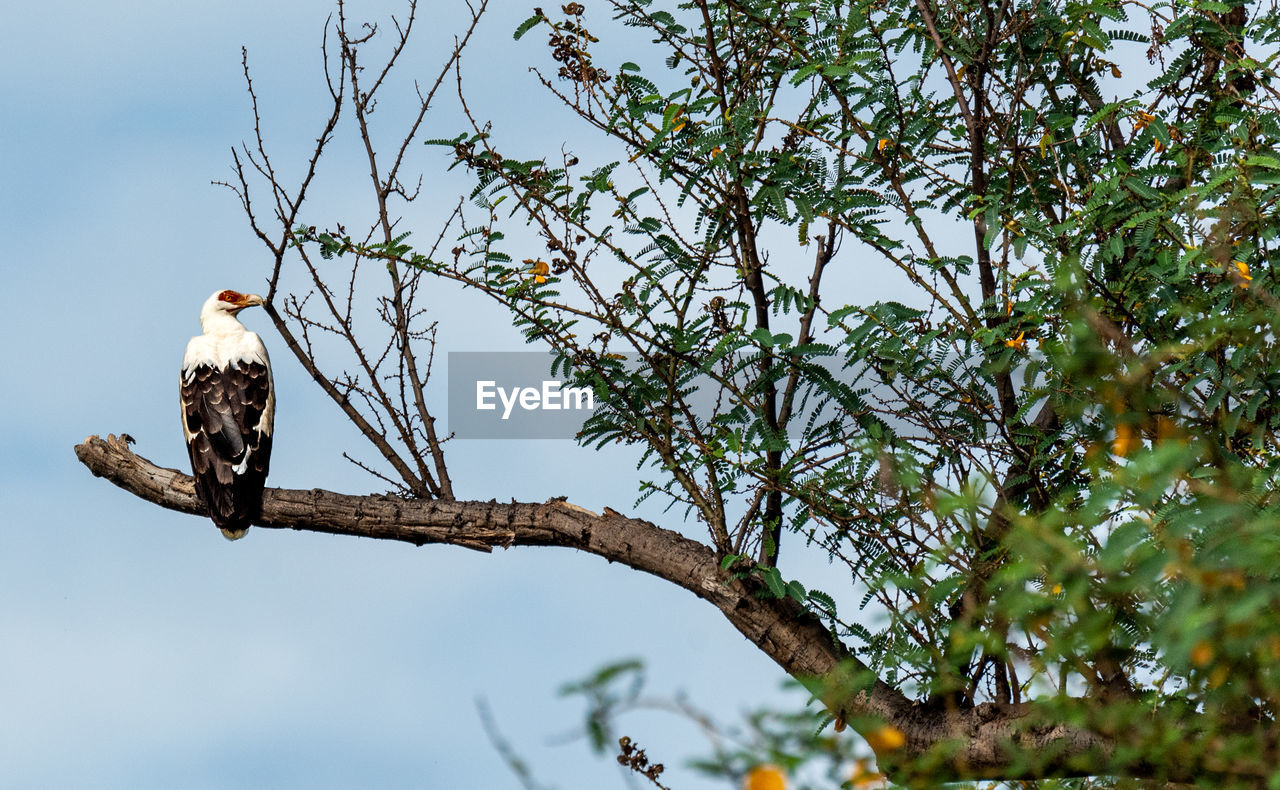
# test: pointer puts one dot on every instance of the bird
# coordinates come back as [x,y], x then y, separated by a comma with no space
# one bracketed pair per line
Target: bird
[228,411]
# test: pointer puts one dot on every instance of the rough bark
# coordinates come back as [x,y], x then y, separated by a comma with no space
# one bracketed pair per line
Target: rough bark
[986,739]
[796,640]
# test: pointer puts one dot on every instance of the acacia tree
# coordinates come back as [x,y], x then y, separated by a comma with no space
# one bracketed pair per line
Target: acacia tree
[1049,467]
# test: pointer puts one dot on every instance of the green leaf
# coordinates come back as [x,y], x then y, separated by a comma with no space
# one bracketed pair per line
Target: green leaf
[796,591]
[526,26]
[773,580]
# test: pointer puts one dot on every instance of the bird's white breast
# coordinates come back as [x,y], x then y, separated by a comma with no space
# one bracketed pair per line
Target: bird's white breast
[219,351]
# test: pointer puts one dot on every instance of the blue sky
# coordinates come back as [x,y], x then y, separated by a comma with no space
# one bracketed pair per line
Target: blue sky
[141,650]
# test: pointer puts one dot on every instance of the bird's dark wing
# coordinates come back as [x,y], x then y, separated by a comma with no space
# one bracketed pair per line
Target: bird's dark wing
[226,414]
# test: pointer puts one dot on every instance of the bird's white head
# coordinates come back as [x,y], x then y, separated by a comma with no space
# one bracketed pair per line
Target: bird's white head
[220,309]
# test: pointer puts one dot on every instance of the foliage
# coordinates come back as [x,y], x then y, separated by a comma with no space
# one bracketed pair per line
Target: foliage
[800,744]
[1049,463]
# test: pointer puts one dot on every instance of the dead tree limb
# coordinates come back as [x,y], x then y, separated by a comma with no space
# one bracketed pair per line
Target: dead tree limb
[795,639]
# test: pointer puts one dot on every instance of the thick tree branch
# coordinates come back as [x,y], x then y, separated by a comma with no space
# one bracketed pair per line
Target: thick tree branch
[797,641]
[981,736]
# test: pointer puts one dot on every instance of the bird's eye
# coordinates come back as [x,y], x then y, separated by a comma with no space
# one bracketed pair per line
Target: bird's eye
[232,297]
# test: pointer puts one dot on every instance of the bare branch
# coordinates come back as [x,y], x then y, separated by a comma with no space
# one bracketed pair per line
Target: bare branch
[798,641]
[793,638]
[503,747]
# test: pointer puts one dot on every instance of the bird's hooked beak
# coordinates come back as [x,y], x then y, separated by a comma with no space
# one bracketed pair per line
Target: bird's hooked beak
[239,301]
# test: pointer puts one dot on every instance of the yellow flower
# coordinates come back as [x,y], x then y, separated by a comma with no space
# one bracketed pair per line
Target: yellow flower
[1202,653]
[1126,439]
[1018,342]
[883,142]
[764,777]
[886,739]
[1242,269]
[540,270]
